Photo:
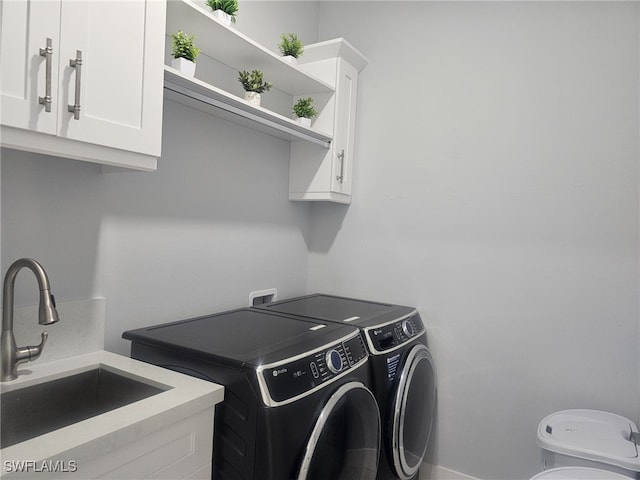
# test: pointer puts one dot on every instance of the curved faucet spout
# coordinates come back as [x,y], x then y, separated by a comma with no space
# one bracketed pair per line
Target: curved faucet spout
[10,354]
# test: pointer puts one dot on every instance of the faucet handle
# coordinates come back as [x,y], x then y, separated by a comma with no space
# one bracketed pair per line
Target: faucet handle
[31,352]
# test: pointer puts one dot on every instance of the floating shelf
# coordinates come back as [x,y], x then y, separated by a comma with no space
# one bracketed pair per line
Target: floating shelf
[200,95]
[236,50]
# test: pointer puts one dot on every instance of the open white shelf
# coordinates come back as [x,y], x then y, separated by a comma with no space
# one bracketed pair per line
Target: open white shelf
[236,50]
[200,95]
[320,165]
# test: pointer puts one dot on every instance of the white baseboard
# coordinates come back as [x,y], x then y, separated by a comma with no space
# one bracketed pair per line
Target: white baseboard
[438,472]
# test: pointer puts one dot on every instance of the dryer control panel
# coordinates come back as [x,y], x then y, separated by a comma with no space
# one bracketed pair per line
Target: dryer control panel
[291,379]
[384,338]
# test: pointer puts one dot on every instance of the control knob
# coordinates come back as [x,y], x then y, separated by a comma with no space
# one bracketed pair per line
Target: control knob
[334,361]
[407,328]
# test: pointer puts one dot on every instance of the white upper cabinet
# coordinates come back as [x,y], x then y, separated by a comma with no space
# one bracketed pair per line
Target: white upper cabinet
[83,79]
[26,32]
[318,175]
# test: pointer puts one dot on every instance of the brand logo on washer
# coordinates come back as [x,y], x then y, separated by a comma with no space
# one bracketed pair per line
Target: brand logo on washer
[275,373]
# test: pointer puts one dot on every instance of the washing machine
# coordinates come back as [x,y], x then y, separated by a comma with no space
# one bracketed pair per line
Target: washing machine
[402,369]
[296,402]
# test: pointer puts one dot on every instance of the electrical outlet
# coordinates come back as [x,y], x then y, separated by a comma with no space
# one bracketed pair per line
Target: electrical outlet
[263,296]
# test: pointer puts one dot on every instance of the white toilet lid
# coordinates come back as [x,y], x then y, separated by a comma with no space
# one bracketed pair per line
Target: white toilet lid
[591,434]
[578,473]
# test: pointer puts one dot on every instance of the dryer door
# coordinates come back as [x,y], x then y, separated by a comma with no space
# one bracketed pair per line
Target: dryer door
[413,410]
[345,441]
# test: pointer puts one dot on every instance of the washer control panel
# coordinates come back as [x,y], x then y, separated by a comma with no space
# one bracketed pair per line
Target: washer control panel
[291,379]
[391,335]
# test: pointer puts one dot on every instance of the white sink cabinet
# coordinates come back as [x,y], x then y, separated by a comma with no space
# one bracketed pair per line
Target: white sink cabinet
[96,94]
[168,435]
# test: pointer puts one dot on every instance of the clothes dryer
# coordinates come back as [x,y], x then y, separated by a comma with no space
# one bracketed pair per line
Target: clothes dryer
[402,369]
[296,400]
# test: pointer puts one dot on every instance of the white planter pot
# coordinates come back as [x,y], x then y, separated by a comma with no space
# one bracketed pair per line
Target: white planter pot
[305,122]
[187,67]
[253,98]
[222,16]
[290,59]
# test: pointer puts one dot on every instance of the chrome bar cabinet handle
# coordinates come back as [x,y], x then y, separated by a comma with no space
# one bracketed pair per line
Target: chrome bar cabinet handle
[77,64]
[340,177]
[47,53]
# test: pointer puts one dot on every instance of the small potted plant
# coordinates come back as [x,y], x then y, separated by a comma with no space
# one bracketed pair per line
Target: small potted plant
[304,111]
[253,84]
[224,10]
[184,53]
[291,47]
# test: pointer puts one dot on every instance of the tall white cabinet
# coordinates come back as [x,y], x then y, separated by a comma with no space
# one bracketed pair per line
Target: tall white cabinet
[326,175]
[83,79]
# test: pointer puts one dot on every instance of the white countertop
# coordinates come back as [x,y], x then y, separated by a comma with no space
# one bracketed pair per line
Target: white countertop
[107,431]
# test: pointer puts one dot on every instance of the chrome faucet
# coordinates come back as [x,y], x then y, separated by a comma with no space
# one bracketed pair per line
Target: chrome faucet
[10,355]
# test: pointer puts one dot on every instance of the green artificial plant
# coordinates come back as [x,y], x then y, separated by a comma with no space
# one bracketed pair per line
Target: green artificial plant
[303,108]
[183,46]
[290,45]
[254,81]
[230,7]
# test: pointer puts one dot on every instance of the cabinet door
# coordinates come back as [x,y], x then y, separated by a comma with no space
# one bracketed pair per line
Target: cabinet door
[320,175]
[25,27]
[344,131]
[119,85]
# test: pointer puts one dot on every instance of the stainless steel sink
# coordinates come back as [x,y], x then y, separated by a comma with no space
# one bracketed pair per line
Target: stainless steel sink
[32,411]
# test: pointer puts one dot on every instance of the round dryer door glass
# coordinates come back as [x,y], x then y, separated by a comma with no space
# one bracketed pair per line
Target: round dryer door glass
[345,441]
[413,411]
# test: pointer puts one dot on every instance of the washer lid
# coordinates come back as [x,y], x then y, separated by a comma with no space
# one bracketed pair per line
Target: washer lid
[578,473]
[351,311]
[590,434]
[242,336]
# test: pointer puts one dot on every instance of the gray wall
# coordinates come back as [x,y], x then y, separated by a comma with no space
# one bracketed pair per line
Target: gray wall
[501,198]
[496,188]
